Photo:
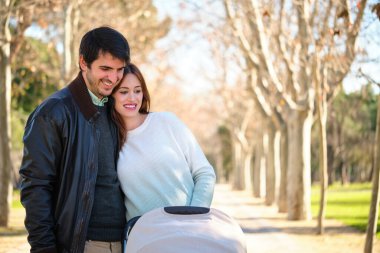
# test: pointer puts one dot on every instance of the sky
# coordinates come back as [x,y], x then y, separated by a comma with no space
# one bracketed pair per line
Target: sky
[193,57]
[190,60]
[369,63]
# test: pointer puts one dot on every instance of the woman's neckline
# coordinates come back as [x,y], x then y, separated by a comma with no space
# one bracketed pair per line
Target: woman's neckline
[141,127]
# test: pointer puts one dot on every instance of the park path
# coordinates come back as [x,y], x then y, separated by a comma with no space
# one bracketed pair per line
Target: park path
[266,231]
[13,240]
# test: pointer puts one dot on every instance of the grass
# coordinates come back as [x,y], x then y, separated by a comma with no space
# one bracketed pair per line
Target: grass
[16,199]
[349,204]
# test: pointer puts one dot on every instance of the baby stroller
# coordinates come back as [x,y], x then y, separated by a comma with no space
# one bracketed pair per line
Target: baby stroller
[184,229]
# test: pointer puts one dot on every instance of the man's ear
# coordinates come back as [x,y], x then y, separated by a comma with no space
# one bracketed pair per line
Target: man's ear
[82,63]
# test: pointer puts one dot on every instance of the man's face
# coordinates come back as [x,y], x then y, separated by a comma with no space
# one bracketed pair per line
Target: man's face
[103,74]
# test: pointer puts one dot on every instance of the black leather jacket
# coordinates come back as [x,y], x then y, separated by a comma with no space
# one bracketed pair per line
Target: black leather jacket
[59,169]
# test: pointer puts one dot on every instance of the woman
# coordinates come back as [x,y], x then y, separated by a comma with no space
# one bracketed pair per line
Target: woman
[160,162]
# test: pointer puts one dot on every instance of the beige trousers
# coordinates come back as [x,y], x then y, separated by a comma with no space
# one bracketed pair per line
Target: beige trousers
[102,247]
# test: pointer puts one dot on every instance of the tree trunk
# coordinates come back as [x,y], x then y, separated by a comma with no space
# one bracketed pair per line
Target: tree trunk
[67,42]
[320,82]
[248,171]
[374,210]
[298,191]
[282,201]
[5,115]
[219,168]
[345,177]
[259,169]
[330,164]
[273,167]
[238,180]
[322,118]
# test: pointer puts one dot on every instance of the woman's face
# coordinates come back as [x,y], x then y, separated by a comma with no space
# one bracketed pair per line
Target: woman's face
[129,97]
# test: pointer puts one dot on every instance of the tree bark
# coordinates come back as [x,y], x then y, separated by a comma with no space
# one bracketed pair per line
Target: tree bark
[259,168]
[330,164]
[374,209]
[282,199]
[298,191]
[219,167]
[345,175]
[5,116]
[322,118]
[238,180]
[248,171]
[286,81]
[67,41]
[273,167]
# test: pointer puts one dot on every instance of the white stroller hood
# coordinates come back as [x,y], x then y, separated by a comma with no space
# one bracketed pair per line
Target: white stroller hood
[159,231]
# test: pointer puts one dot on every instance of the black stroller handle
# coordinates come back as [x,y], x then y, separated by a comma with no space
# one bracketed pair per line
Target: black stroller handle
[186,210]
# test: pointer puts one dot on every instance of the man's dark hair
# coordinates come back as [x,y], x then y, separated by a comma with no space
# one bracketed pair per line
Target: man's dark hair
[104,40]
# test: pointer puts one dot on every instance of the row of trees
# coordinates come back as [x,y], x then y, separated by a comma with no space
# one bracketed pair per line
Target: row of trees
[294,56]
[351,127]
[293,59]
[293,66]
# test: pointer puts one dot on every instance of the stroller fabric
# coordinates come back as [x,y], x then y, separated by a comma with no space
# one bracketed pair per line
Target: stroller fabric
[160,231]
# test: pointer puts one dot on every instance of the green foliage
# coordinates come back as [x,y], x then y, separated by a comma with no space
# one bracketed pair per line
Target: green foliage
[18,121]
[359,129]
[35,72]
[349,204]
[225,139]
[16,199]
[351,128]
[30,88]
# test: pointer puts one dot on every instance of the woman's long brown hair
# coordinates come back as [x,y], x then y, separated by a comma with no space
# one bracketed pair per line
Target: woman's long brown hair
[116,117]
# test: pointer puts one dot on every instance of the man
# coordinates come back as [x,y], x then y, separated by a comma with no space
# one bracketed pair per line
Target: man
[69,188]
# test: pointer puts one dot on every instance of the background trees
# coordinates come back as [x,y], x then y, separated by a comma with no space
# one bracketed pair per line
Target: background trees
[11,39]
[350,130]
[294,59]
[252,79]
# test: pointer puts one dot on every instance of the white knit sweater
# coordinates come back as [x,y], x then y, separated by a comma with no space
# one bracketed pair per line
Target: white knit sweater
[161,164]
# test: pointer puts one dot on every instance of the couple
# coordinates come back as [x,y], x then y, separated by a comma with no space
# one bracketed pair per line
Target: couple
[94,156]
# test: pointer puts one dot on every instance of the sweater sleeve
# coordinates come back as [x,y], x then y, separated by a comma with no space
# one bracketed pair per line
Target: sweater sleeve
[204,181]
[202,172]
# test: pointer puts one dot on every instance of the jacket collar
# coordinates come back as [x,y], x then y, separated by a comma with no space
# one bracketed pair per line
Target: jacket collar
[81,96]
